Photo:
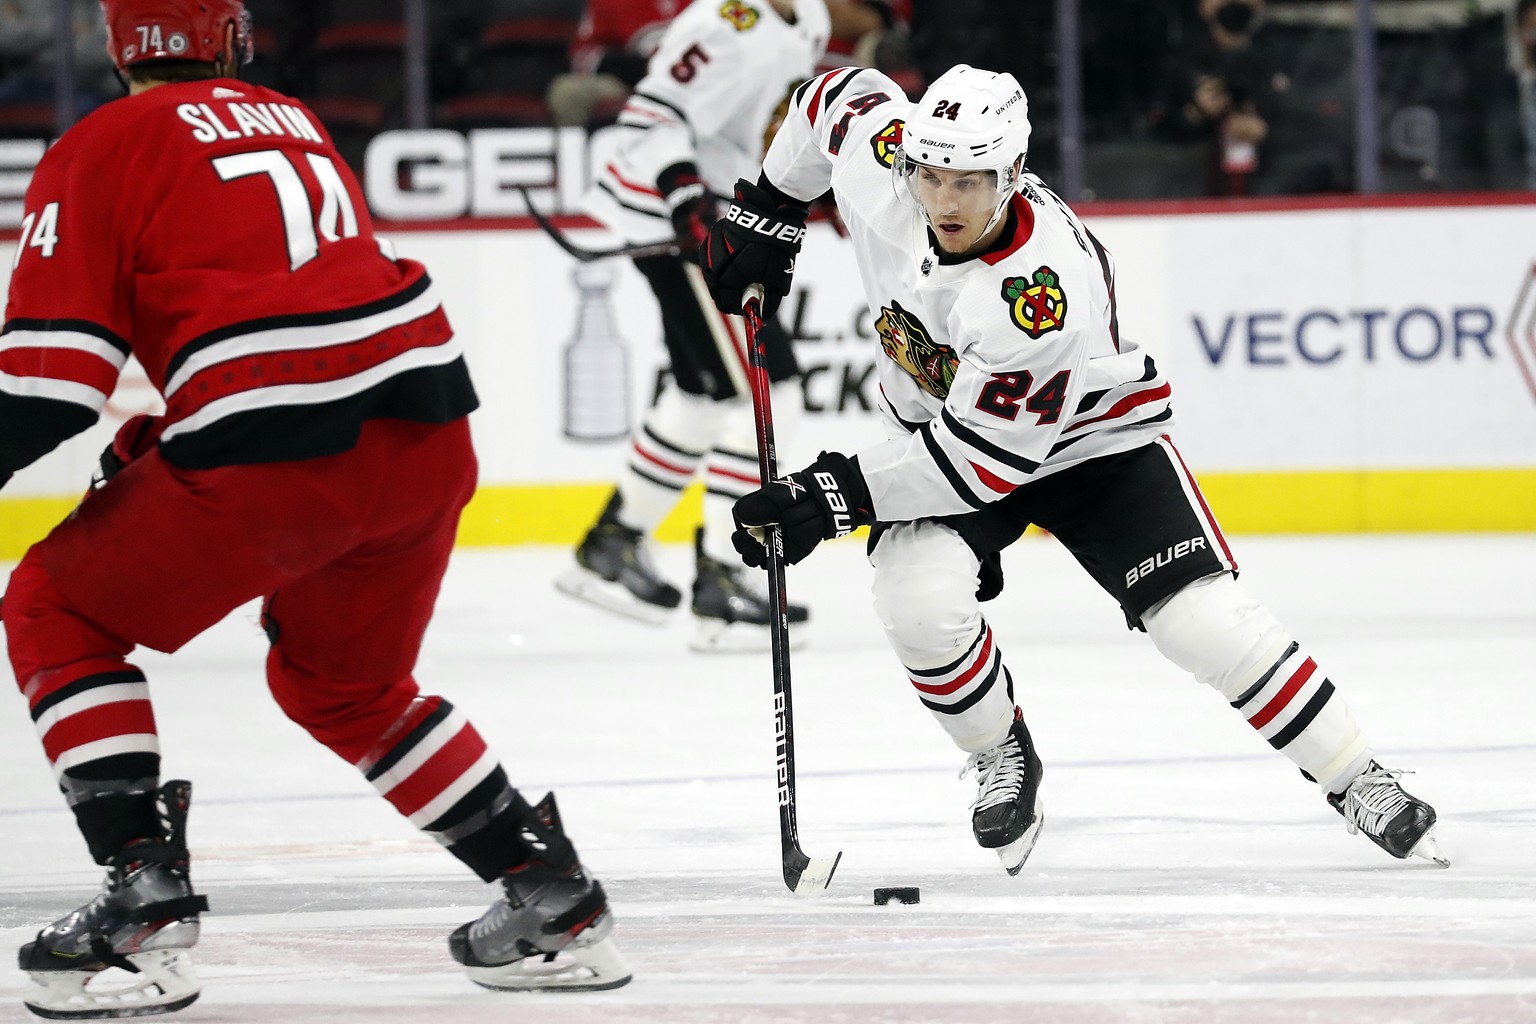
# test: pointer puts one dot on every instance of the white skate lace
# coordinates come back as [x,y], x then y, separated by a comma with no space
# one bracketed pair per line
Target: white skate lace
[999,774]
[1373,800]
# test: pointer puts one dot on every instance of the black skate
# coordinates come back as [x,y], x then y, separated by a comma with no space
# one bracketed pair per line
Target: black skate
[550,930]
[1007,813]
[1393,819]
[614,571]
[144,922]
[731,606]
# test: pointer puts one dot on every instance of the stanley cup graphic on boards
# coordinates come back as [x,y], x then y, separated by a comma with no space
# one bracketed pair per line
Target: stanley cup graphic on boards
[596,362]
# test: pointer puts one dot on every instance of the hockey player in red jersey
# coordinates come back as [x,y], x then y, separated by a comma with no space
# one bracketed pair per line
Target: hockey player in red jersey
[1012,399]
[314,452]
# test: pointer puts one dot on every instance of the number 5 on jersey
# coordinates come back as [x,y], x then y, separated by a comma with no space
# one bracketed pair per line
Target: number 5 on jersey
[337,218]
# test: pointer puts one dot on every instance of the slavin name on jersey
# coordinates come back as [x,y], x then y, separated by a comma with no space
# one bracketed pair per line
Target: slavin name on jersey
[247,120]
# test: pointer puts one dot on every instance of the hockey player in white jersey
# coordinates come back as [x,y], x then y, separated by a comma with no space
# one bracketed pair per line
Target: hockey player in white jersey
[697,121]
[1012,400]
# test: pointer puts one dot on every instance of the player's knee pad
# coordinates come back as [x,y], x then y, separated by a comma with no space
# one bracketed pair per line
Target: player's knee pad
[348,716]
[925,592]
[690,423]
[43,631]
[1214,630]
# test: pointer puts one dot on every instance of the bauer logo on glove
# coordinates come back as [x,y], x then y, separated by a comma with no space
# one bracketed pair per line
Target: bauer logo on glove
[826,499]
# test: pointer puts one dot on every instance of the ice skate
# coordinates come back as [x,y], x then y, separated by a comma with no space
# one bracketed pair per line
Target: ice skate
[143,923]
[731,607]
[614,571]
[1007,814]
[551,927]
[1393,819]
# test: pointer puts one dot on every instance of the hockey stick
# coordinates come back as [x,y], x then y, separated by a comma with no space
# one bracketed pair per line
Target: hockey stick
[588,255]
[803,875]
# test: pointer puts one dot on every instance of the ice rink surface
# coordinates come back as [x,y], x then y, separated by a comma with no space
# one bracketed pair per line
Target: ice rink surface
[1186,873]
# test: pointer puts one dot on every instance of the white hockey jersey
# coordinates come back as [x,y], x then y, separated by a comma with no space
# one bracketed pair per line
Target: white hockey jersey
[711,90]
[1002,368]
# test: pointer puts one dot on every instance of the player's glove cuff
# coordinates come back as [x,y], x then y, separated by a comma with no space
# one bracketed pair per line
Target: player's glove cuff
[754,243]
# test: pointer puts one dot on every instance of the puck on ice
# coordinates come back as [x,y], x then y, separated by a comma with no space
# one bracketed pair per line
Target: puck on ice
[899,893]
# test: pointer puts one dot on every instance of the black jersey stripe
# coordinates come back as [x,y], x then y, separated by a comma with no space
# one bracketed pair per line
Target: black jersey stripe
[971,699]
[837,90]
[408,742]
[662,442]
[293,320]
[968,436]
[944,670]
[1253,691]
[1061,446]
[83,684]
[1304,717]
[95,330]
[956,481]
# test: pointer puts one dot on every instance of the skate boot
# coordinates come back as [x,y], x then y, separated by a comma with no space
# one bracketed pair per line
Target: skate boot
[731,606]
[550,929]
[1007,814]
[614,571]
[1396,821]
[143,922]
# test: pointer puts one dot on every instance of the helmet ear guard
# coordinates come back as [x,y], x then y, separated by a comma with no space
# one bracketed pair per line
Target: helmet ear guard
[190,30]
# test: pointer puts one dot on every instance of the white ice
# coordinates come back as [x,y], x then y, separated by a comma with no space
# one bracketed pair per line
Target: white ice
[1186,872]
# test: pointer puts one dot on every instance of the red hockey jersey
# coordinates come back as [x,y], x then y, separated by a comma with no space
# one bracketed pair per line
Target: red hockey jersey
[211,230]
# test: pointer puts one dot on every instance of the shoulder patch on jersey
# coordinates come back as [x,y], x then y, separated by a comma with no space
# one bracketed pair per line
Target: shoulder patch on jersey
[740,15]
[885,141]
[1037,302]
[906,340]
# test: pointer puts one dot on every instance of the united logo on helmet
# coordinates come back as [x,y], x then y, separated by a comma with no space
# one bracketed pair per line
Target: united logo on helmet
[907,341]
[196,30]
[886,140]
[739,15]
[1037,302]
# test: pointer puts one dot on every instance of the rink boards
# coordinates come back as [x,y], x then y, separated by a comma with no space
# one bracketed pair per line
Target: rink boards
[1334,369]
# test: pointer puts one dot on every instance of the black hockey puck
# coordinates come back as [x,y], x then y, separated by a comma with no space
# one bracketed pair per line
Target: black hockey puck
[899,893]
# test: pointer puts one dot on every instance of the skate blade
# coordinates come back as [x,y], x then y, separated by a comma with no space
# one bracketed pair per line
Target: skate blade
[716,636]
[1017,852]
[166,982]
[610,596]
[594,967]
[1428,847]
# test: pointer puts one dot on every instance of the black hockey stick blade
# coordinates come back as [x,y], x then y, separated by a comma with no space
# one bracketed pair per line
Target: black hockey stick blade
[586,255]
[804,875]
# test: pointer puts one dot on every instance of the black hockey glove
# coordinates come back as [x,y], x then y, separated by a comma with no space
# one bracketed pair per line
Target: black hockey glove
[754,243]
[826,499]
[693,208]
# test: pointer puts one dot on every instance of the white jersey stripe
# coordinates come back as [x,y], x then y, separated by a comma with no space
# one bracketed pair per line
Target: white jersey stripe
[76,341]
[58,390]
[87,699]
[428,745]
[128,743]
[318,393]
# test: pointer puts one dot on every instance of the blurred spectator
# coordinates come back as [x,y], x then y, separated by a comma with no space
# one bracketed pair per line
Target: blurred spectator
[1525,38]
[28,56]
[873,34]
[1272,103]
[608,58]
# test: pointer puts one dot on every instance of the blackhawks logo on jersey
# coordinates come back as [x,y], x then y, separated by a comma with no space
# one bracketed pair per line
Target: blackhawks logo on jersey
[739,15]
[907,341]
[1037,302]
[886,140]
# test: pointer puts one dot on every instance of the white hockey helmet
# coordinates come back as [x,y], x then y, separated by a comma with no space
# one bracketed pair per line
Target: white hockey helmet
[967,120]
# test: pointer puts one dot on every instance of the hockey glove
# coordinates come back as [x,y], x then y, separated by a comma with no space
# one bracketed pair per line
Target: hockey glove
[133,439]
[754,243]
[826,499]
[693,208]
